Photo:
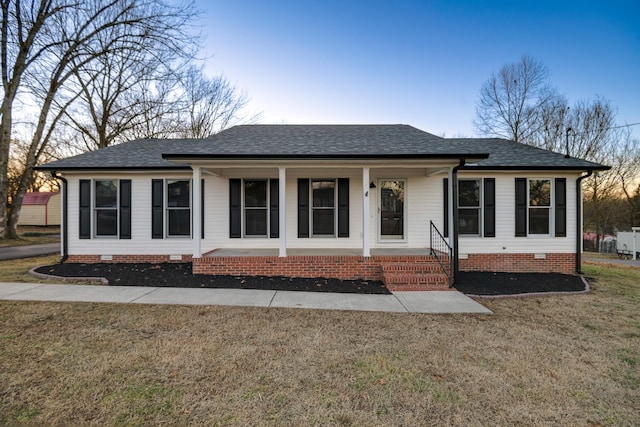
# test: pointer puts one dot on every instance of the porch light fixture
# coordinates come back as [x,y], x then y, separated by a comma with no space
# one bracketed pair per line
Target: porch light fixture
[372,185]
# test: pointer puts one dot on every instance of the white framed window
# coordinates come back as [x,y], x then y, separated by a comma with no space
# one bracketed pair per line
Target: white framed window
[539,206]
[105,207]
[256,207]
[469,207]
[323,207]
[178,208]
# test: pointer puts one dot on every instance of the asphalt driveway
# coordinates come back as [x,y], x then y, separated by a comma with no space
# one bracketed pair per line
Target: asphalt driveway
[28,251]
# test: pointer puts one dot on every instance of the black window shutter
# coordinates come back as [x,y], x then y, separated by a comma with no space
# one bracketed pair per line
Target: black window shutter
[125,209]
[445,191]
[235,208]
[561,207]
[489,207]
[85,209]
[343,207]
[303,207]
[202,209]
[521,207]
[157,207]
[274,208]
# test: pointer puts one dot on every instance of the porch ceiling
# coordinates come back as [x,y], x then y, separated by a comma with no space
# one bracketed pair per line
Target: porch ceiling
[272,171]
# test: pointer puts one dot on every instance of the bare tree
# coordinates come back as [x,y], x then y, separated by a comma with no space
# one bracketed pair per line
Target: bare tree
[211,104]
[122,90]
[44,43]
[514,102]
[626,169]
[519,103]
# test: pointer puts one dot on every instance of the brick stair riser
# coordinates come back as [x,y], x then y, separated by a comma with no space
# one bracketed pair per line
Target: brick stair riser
[392,279]
[422,288]
[412,268]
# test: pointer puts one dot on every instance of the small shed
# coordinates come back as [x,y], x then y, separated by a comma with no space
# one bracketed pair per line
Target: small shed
[40,209]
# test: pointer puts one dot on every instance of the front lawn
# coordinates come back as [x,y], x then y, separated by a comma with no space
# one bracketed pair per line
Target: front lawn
[554,360]
[33,235]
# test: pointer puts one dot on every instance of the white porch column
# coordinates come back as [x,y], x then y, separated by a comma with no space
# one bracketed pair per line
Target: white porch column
[366,244]
[282,212]
[450,207]
[197,212]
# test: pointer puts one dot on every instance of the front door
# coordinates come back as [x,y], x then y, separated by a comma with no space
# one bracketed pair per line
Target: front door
[391,209]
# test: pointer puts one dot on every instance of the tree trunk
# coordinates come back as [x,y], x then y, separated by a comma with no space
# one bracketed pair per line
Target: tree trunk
[5,143]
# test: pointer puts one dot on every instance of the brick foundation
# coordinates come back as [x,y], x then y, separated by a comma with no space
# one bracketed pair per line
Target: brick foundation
[520,263]
[154,259]
[400,272]
[343,267]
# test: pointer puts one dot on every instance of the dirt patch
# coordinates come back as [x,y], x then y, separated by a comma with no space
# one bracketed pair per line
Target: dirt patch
[489,283]
[179,275]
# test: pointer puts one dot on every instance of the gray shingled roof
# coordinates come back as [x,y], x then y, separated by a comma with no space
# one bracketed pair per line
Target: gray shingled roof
[319,141]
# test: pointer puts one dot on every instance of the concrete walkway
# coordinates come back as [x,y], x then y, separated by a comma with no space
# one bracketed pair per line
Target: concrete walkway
[400,302]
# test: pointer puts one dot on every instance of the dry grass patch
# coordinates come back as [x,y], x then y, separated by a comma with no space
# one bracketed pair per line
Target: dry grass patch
[33,235]
[17,270]
[566,360]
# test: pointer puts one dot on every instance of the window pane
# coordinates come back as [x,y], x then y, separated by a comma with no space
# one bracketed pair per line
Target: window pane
[538,220]
[178,194]
[106,194]
[106,222]
[255,194]
[179,222]
[324,193]
[539,192]
[469,221]
[469,193]
[323,222]
[255,222]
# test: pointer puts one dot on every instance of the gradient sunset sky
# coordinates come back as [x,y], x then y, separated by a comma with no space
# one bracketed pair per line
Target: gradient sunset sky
[416,62]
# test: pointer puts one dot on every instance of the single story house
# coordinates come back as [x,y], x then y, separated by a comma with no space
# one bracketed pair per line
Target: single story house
[379,202]
[40,208]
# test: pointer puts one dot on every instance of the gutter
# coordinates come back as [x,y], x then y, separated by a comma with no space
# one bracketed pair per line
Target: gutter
[65,187]
[579,220]
[456,218]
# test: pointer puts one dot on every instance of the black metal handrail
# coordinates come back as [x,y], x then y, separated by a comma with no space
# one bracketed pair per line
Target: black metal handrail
[439,247]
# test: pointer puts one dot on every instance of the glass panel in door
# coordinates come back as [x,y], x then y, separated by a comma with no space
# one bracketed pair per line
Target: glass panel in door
[392,209]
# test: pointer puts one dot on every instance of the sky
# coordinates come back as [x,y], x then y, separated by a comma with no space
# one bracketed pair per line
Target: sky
[420,63]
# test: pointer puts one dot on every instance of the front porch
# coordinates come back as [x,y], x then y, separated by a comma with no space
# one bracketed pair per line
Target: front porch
[401,269]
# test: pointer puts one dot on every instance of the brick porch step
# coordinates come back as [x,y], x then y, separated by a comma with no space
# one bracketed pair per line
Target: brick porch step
[411,267]
[427,276]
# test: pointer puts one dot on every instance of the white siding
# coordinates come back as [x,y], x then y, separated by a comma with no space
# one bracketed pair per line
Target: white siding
[424,198]
[505,240]
[141,241]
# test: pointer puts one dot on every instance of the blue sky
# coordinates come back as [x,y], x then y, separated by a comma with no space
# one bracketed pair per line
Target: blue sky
[416,62]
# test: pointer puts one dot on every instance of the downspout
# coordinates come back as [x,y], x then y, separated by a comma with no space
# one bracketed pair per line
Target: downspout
[579,221]
[65,186]
[454,195]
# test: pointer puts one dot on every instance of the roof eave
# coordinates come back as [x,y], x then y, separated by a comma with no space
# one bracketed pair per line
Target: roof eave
[184,156]
[111,168]
[537,168]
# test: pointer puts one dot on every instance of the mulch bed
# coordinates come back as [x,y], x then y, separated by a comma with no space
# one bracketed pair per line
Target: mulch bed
[179,275]
[488,283]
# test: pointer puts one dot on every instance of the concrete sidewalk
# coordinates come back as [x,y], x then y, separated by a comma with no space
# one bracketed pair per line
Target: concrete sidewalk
[399,302]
